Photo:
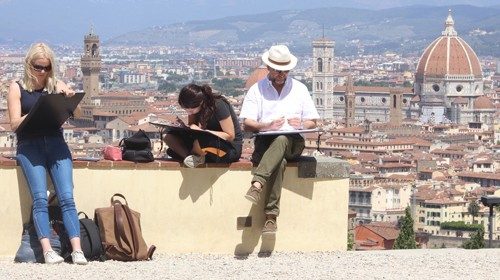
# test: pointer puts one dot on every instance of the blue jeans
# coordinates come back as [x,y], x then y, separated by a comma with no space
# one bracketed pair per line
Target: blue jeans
[51,154]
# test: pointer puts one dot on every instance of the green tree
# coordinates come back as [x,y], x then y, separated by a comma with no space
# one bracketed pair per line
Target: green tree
[228,86]
[407,84]
[476,241]
[176,78]
[167,87]
[406,237]
[350,241]
[473,210]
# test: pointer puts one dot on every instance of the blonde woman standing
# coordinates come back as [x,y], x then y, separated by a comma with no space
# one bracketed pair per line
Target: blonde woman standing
[44,151]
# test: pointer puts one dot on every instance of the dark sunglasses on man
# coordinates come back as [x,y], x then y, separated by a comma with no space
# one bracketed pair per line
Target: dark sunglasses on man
[279,71]
[40,68]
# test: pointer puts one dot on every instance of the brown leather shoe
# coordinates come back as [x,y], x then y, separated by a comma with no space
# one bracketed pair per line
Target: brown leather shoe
[253,194]
[270,226]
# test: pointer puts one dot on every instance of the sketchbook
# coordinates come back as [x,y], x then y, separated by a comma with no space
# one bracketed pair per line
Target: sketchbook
[282,132]
[50,112]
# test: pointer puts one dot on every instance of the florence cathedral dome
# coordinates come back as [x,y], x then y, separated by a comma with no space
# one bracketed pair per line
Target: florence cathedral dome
[449,79]
[448,55]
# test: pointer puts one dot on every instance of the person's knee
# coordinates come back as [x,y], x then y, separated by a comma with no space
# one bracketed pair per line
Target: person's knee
[281,140]
[39,201]
[66,200]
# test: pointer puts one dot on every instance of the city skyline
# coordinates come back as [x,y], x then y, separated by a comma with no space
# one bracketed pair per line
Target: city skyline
[416,129]
[60,24]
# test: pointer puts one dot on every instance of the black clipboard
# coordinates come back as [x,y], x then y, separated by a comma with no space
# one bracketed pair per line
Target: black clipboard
[50,112]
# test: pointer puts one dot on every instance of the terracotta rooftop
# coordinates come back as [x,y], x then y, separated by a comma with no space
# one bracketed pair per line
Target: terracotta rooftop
[480,175]
[482,103]
[257,75]
[386,230]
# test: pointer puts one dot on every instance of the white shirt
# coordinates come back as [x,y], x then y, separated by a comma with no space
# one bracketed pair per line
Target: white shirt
[262,102]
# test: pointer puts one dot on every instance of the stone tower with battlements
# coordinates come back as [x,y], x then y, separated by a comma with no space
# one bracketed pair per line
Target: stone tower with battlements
[91,66]
[350,103]
[395,111]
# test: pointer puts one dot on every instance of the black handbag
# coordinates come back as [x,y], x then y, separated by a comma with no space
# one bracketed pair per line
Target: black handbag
[90,240]
[137,148]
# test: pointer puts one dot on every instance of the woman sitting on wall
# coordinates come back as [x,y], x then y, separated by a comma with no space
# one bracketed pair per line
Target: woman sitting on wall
[210,113]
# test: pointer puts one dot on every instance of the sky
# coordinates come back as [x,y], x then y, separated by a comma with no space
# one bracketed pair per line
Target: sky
[66,21]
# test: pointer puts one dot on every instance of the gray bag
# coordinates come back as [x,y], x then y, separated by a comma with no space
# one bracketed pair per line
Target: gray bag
[30,250]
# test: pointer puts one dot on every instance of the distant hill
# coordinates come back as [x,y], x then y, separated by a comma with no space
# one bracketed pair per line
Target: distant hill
[405,29]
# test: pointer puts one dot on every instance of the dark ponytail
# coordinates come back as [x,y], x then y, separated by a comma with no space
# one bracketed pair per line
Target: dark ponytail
[192,95]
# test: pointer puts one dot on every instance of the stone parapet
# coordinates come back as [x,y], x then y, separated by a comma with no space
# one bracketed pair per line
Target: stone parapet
[201,210]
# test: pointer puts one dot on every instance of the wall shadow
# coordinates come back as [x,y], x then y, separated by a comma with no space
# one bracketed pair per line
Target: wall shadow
[305,188]
[193,187]
[250,236]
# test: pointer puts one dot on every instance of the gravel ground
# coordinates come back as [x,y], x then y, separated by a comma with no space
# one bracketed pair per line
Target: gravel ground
[397,264]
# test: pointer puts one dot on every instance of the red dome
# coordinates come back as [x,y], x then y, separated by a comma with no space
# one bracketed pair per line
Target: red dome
[448,55]
[483,102]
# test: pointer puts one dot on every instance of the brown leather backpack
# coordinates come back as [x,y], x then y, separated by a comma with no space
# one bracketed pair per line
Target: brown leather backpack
[120,230]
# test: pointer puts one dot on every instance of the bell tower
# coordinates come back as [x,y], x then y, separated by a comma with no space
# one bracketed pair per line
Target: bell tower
[91,66]
[322,85]
[350,103]
[395,111]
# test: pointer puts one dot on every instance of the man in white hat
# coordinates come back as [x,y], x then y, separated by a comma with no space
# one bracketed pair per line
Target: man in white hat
[276,103]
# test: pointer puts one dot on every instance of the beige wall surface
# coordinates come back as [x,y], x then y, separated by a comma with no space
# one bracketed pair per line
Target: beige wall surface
[196,210]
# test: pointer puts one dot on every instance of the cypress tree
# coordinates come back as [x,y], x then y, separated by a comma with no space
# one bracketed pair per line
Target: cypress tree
[473,209]
[406,237]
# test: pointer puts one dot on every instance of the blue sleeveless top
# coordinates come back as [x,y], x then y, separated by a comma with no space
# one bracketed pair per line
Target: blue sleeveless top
[28,100]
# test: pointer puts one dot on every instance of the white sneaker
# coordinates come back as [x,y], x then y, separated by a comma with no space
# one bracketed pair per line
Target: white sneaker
[78,257]
[193,161]
[52,257]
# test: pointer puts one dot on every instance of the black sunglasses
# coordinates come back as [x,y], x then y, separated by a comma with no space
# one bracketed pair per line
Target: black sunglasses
[40,68]
[279,71]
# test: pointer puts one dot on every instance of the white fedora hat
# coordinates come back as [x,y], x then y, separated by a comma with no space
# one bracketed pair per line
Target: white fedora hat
[279,58]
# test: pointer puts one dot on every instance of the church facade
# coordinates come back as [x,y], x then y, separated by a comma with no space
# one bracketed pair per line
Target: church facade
[448,88]
[352,105]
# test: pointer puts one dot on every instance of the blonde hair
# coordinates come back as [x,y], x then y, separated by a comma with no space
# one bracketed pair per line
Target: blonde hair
[37,51]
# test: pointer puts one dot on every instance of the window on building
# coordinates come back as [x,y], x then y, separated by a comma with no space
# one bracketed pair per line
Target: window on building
[320,64]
